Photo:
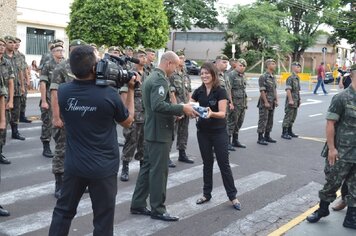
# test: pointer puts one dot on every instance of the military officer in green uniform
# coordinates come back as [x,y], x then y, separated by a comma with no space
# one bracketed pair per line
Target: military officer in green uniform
[134,135]
[221,63]
[267,103]
[292,102]
[7,75]
[158,132]
[340,154]
[180,87]
[239,100]
[61,74]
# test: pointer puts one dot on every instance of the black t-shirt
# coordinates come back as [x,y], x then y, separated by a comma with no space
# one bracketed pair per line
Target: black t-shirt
[89,112]
[212,101]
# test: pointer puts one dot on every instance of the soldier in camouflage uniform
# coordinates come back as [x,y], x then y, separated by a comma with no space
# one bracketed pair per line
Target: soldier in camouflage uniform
[47,56]
[180,88]
[17,65]
[340,154]
[151,57]
[239,100]
[45,102]
[233,65]
[129,53]
[292,102]
[267,103]
[26,81]
[6,75]
[134,135]
[61,74]
[221,63]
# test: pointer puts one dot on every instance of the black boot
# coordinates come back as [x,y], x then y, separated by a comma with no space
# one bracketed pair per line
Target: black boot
[183,157]
[269,139]
[23,118]
[285,134]
[323,211]
[229,146]
[290,132]
[236,142]
[3,159]
[58,185]
[47,150]
[261,139]
[4,212]
[350,218]
[125,171]
[171,163]
[15,132]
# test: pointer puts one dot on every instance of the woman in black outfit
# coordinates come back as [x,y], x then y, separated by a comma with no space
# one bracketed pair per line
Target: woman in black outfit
[212,134]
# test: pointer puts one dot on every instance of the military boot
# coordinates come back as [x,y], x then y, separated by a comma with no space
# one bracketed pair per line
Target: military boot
[269,139]
[261,139]
[183,157]
[323,211]
[290,132]
[229,146]
[58,185]
[236,142]
[350,218]
[171,163]
[23,118]
[47,150]
[125,171]
[15,132]
[4,212]
[3,159]
[285,134]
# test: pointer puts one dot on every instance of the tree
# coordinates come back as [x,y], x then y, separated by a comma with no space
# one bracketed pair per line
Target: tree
[184,14]
[304,18]
[119,22]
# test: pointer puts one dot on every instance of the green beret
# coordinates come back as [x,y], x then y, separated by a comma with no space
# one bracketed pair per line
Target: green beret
[270,60]
[242,61]
[58,41]
[150,50]
[18,39]
[2,40]
[77,42]
[222,57]
[296,63]
[56,45]
[9,38]
[180,52]
[353,67]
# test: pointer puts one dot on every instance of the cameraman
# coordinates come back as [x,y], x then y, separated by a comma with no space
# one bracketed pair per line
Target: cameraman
[92,152]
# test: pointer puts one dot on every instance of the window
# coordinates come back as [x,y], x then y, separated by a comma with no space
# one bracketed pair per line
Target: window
[199,36]
[37,40]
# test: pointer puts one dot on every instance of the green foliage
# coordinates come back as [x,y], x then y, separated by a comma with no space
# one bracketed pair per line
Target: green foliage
[119,22]
[183,14]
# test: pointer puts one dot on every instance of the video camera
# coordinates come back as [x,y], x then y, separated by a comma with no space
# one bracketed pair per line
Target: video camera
[111,70]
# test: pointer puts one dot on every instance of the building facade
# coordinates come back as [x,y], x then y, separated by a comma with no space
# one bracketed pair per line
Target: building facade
[8,17]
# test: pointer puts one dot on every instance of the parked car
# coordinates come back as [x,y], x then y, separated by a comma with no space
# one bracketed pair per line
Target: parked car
[329,79]
[192,67]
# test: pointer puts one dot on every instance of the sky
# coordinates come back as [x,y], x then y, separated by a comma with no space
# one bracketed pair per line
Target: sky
[228,4]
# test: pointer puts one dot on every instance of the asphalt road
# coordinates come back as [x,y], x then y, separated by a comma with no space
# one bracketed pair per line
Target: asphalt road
[275,182]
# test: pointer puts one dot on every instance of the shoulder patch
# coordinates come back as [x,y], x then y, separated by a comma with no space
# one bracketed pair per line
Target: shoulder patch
[161,91]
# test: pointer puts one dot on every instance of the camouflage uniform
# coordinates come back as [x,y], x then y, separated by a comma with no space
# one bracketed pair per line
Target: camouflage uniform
[45,58]
[292,84]
[342,110]
[61,74]
[24,71]
[148,69]
[180,85]
[267,83]
[46,114]
[134,136]
[239,99]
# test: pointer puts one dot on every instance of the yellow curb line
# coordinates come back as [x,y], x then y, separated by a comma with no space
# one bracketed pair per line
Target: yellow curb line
[322,140]
[297,220]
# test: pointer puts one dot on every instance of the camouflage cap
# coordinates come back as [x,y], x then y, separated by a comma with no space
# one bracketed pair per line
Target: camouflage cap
[58,41]
[269,61]
[9,38]
[242,61]
[222,57]
[77,42]
[93,45]
[129,48]
[140,51]
[56,45]
[296,63]
[180,52]
[353,67]
[150,50]
[114,48]
[18,40]
[233,59]
[2,40]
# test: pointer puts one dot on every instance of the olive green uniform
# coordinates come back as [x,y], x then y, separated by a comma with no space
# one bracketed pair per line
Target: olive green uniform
[293,85]
[158,129]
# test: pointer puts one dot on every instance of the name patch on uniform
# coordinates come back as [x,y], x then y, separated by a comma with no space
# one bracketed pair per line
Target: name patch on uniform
[161,91]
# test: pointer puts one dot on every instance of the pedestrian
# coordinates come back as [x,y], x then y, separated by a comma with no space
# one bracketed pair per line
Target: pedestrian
[239,100]
[292,102]
[7,73]
[321,78]
[180,86]
[134,135]
[340,154]
[158,133]
[92,153]
[267,103]
[212,134]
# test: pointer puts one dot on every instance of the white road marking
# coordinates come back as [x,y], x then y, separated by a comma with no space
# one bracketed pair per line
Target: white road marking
[311,102]
[250,127]
[318,114]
